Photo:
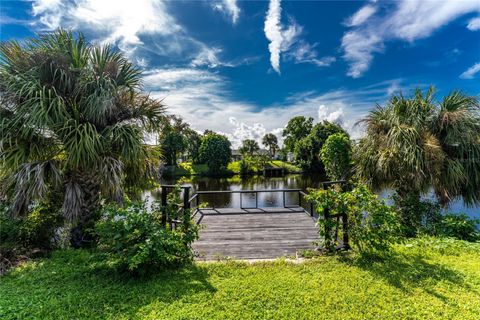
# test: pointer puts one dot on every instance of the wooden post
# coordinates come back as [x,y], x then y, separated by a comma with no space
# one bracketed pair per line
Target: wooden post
[186,196]
[164,205]
[346,243]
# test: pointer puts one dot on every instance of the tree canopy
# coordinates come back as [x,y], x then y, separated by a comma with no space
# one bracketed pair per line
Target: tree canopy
[415,143]
[73,120]
[297,128]
[271,142]
[249,147]
[336,156]
[215,151]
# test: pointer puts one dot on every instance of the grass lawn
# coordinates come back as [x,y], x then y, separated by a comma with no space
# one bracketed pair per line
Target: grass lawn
[417,281]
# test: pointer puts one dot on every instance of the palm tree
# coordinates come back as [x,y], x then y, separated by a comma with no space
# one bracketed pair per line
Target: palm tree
[415,143]
[72,122]
[270,141]
[249,147]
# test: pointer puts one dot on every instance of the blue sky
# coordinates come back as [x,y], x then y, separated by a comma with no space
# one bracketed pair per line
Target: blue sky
[245,67]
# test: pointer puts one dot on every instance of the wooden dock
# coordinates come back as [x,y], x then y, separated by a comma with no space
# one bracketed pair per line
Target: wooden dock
[261,233]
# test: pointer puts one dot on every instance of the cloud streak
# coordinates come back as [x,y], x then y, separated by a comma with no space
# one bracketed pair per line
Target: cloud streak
[471,72]
[288,40]
[407,20]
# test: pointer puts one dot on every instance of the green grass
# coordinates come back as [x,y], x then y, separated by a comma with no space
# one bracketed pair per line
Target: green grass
[416,282]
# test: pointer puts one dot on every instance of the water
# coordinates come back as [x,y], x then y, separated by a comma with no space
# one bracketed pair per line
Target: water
[293,181]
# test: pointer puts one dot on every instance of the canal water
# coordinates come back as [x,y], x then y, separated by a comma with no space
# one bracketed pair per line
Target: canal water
[267,199]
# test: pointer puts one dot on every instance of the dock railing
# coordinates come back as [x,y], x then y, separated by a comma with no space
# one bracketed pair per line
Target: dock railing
[193,204]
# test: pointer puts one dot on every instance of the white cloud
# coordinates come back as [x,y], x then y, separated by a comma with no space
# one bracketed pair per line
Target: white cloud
[288,39]
[125,23]
[361,15]
[406,20]
[471,72]
[273,32]
[474,24]
[203,99]
[229,7]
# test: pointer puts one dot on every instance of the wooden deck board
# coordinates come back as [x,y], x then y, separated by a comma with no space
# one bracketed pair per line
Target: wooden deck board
[254,233]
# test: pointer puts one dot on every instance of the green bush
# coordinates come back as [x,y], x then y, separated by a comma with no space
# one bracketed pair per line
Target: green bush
[459,226]
[215,151]
[336,155]
[134,239]
[34,231]
[372,224]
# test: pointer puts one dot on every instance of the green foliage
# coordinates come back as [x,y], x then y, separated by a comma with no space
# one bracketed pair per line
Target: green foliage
[271,142]
[249,147]
[415,143]
[297,128]
[73,120]
[424,279]
[194,140]
[307,149]
[134,239]
[215,152]
[372,224]
[173,144]
[459,226]
[36,230]
[336,155]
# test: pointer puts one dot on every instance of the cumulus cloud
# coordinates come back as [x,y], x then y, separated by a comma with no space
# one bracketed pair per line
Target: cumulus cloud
[288,39]
[406,20]
[471,72]
[140,28]
[474,24]
[228,7]
[203,99]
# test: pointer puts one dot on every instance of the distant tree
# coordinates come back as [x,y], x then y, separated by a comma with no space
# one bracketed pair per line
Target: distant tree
[215,151]
[297,128]
[173,140]
[193,142]
[307,150]
[336,156]
[249,147]
[271,142]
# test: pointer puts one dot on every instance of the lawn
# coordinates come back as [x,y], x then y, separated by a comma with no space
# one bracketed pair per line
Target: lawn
[415,282]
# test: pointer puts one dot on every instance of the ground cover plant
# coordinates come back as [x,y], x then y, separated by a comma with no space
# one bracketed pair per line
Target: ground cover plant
[421,279]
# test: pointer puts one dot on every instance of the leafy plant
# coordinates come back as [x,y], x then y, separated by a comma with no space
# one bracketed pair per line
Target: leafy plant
[271,142]
[460,226]
[372,224]
[336,155]
[134,238]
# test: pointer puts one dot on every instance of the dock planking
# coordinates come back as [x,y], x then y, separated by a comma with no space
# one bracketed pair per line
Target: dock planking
[261,233]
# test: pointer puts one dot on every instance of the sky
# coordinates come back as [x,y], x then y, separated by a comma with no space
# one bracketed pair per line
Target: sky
[244,68]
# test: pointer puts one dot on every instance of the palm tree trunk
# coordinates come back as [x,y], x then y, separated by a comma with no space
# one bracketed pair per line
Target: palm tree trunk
[82,235]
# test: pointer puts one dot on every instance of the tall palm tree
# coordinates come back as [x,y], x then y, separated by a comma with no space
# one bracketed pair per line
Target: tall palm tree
[415,143]
[271,142]
[73,121]
[249,147]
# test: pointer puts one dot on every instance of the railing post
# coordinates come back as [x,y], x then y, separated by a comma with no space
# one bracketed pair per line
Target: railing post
[214,198]
[164,205]
[299,200]
[186,196]
[311,209]
[241,203]
[284,199]
[197,200]
[256,200]
[346,243]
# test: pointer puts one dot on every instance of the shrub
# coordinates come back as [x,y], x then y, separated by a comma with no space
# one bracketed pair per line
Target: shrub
[459,226]
[35,231]
[336,155]
[134,238]
[372,224]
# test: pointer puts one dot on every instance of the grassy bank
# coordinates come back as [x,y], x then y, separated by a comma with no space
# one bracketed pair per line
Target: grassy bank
[189,169]
[418,281]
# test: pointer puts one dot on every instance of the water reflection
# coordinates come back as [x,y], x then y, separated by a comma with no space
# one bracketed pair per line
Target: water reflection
[294,181]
